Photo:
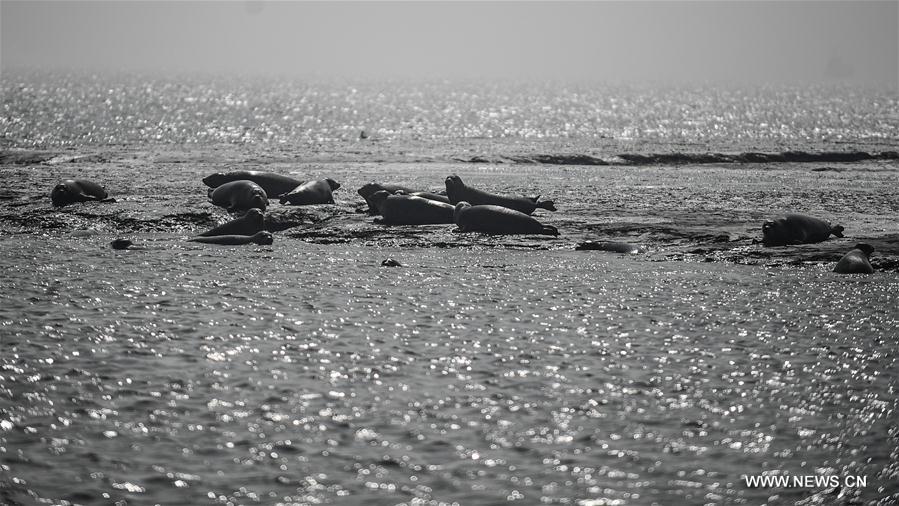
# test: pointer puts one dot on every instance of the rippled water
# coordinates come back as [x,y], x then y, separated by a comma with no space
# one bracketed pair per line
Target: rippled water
[485,370]
[303,373]
[71,110]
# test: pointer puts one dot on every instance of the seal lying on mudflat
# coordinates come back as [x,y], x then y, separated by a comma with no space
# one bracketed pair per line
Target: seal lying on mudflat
[311,192]
[273,184]
[122,243]
[264,238]
[856,261]
[457,192]
[497,220]
[427,195]
[613,246]
[797,229]
[71,191]
[411,210]
[240,195]
[370,189]
[248,224]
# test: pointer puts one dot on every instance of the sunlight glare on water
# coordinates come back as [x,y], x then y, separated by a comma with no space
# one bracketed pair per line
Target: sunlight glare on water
[458,377]
[131,109]
[486,369]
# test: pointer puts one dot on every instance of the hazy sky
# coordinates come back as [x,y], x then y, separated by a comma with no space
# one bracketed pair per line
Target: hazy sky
[755,41]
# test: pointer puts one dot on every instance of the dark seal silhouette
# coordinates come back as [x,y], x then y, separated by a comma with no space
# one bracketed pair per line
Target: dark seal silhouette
[411,210]
[856,261]
[239,195]
[251,222]
[311,193]
[273,184]
[612,246]
[71,191]
[264,238]
[458,191]
[797,229]
[370,189]
[491,219]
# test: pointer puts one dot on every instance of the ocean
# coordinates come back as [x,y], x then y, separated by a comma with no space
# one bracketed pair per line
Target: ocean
[485,369]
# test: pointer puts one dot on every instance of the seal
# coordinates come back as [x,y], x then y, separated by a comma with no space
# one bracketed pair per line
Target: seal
[436,197]
[251,222]
[71,191]
[492,219]
[311,192]
[856,261]
[273,184]
[411,210]
[797,229]
[613,246]
[370,189]
[457,192]
[241,195]
[264,238]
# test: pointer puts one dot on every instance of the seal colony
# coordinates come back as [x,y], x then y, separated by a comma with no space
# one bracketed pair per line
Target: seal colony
[245,194]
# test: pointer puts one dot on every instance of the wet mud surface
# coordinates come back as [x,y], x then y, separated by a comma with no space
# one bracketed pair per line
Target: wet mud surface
[704,212]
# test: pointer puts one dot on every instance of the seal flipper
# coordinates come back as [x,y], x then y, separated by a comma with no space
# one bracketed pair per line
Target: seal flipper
[837,230]
[549,230]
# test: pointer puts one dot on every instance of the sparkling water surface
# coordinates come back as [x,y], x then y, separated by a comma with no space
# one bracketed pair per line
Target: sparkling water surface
[485,370]
[303,373]
[42,109]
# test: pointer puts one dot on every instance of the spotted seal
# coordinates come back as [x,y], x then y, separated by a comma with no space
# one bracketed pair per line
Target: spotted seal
[370,189]
[71,191]
[411,210]
[311,193]
[263,238]
[241,195]
[492,219]
[273,184]
[251,222]
[458,191]
[856,261]
[612,246]
[797,229]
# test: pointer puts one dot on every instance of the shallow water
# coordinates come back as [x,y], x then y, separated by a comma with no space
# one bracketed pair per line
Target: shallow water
[74,110]
[485,370]
[305,373]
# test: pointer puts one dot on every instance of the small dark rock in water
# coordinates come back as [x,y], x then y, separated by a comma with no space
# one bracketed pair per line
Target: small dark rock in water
[391,263]
[121,243]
